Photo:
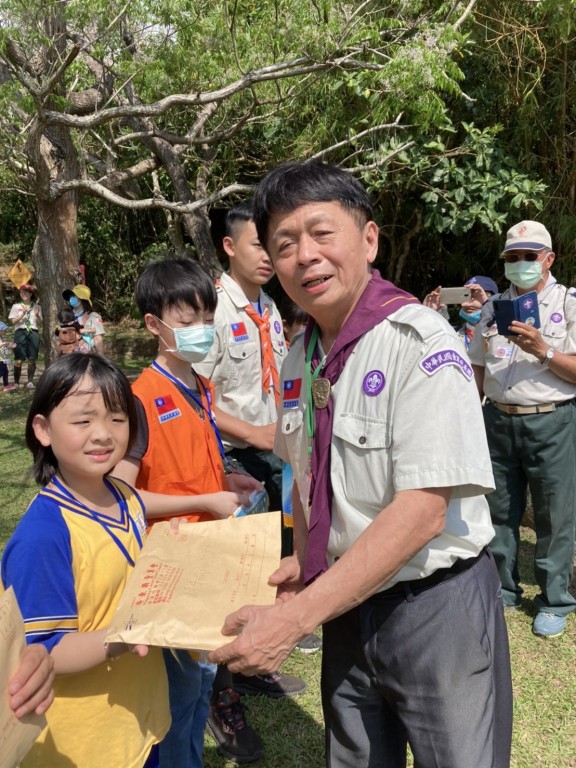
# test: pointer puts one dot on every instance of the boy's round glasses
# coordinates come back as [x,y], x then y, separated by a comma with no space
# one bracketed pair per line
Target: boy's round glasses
[513,256]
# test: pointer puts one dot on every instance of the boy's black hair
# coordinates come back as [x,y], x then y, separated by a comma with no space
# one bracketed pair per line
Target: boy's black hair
[294,184]
[240,214]
[172,283]
[57,382]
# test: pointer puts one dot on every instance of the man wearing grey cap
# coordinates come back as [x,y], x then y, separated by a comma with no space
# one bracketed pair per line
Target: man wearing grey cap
[528,378]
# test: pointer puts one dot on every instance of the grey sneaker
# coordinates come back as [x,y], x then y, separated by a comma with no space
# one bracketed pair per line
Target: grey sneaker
[309,644]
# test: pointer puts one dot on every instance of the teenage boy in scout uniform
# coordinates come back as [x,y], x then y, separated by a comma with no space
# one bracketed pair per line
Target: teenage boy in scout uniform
[243,366]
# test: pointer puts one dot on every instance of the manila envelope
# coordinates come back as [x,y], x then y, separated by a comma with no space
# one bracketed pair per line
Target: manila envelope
[16,734]
[184,585]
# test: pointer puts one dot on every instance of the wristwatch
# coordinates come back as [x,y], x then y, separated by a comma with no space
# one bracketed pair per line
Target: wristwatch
[548,356]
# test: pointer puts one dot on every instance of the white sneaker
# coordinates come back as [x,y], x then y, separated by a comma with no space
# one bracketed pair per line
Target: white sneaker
[30,385]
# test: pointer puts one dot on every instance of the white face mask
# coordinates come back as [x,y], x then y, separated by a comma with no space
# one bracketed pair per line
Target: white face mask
[192,343]
[524,274]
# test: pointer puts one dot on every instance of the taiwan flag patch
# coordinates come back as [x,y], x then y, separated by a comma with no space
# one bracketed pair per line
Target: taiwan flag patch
[291,394]
[166,408]
[239,332]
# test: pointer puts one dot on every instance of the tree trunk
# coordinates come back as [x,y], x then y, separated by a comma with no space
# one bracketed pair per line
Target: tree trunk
[53,158]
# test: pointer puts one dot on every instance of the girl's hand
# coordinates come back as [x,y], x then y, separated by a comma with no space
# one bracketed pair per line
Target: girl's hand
[223,504]
[114,650]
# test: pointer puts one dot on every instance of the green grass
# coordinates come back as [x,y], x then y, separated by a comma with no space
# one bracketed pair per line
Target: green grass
[543,670]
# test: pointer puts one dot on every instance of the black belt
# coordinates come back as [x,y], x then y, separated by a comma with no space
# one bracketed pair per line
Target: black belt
[442,574]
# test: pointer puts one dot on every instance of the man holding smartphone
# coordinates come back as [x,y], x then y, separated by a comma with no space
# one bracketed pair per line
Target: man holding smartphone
[528,379]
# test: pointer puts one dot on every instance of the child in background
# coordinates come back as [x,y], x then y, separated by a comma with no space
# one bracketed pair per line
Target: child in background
[294,319]
[69,334]
[26,316]
[5,361]
[68,561]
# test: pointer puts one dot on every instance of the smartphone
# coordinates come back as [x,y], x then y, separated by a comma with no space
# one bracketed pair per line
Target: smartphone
[455,295]
[258,503]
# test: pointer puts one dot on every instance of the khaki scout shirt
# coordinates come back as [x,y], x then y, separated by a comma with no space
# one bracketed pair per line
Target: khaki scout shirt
[234,364]
[406,416]
[515,377]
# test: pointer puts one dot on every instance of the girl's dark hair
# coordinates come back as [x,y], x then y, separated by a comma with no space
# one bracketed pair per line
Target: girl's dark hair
[57,382]
[173,283]
[292,185]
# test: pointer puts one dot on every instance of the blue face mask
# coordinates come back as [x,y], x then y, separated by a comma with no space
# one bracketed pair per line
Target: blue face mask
[74,301]
[470,317]
[192,343]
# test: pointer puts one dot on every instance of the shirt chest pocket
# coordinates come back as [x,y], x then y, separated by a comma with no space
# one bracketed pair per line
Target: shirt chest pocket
[361,461]
[362,432]
[555,333]
[241,351]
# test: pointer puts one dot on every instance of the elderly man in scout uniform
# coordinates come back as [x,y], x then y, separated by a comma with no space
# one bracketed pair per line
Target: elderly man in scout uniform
[390,519]
[528,377]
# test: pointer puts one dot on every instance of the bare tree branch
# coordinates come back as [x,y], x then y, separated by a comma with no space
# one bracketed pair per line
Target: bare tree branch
[98,189]
[273,72]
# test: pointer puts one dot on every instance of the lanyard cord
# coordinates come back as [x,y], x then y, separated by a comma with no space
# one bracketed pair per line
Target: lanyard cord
[198,401]
[98,518]
[311,376]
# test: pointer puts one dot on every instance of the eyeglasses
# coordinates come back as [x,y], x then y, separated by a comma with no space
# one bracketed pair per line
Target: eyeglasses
[512,256]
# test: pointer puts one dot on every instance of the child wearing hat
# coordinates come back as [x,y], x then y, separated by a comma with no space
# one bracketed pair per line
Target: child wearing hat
[26,316]
[79,299]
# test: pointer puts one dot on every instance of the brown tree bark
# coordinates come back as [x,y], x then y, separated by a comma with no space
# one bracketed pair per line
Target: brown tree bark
[52,157]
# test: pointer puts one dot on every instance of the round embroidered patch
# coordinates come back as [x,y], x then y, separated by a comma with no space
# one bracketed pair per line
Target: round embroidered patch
[556,317]
[277,326]
[373,383]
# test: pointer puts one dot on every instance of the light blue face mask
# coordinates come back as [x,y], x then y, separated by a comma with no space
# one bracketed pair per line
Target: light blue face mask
[524,274]
[470,317]
[192,343]
[74,301]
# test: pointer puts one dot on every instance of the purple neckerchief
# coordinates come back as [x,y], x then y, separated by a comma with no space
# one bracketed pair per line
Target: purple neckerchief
[380,299]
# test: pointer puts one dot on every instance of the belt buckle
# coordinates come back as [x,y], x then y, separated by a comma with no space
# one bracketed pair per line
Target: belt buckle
[513,409]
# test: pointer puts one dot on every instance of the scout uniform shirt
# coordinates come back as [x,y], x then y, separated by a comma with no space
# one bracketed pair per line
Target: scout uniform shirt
[405,407]
[515,377]
[234,363]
